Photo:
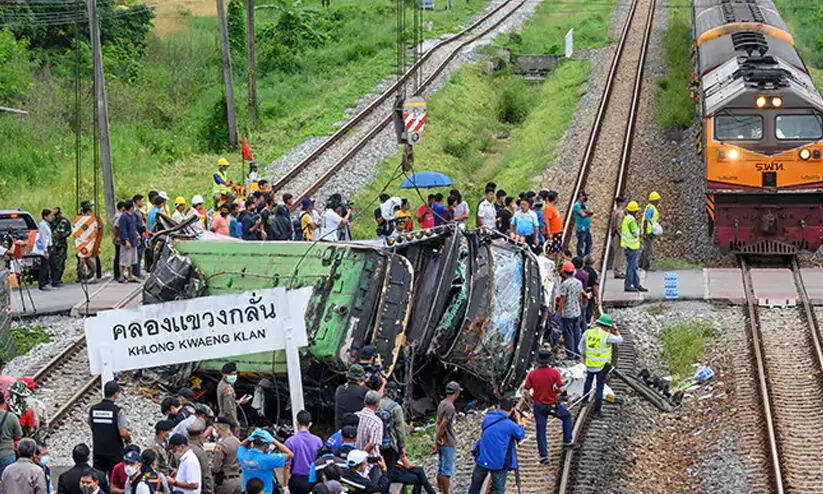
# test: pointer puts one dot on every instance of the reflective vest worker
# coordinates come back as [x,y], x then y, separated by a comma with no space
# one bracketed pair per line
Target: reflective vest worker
[596,348]
[651,229]
[630,241]
[222,184]
[108,429]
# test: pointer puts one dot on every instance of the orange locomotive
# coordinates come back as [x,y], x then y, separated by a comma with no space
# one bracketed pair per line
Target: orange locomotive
[762,131]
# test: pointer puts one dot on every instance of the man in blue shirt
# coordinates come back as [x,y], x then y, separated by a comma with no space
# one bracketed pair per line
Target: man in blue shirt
[441,212]
[257,463]
[498,446]
[583,224]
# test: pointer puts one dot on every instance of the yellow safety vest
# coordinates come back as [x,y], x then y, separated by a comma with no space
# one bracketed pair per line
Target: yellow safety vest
[629,233]
[219,188]
[598,348]
[647,225]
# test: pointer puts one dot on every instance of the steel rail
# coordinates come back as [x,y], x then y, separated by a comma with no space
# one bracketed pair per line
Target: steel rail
[65,355]
[808,309]
[763,386]
[581,420]
[342,131]
[388,119]
[594,135]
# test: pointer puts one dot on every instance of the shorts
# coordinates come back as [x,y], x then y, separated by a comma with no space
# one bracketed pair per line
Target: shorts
[128,256]
[556,243]
[445,460]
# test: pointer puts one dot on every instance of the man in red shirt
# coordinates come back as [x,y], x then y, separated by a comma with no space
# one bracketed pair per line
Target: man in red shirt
[541,388]
[425,215]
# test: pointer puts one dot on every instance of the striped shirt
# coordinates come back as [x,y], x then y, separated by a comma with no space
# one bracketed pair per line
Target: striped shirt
[369,431]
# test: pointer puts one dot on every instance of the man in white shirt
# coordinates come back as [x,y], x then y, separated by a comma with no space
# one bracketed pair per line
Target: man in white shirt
[44,245]
[189,476]
[486,212]
[330,224]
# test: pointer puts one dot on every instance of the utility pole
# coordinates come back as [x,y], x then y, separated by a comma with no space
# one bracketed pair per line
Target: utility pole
[102,111]
[224,43]
[251,63]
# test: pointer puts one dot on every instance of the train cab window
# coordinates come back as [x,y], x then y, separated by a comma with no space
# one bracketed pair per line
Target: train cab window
[799,127]
[738,127]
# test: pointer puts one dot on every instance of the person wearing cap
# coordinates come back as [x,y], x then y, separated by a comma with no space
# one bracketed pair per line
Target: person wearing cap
[162,431]
[445,439]
[225,467]
[570,308]
[497,455]
[188,478]
[199,210]
[596,348]
[348,397]
[360,479]
[69,481]
[541,389]
[179,213]
[227,401]
[24,476]
[257,463]
[222,185]
[195,431]
[186,398]
[630,241]
[370,426]
[583,224]
[370,360]
[61,231]
[205,416]
[305,446]
[135,481]
[649,224]
[109,429]
[118,475]
[307,222]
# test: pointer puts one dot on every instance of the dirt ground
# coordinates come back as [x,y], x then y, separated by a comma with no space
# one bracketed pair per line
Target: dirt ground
[169,12]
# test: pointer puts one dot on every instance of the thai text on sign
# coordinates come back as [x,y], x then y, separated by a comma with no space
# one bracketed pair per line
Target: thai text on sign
[201,328]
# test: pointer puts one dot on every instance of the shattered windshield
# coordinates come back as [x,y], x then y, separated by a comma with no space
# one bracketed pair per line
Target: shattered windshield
[459,290]
[507,306]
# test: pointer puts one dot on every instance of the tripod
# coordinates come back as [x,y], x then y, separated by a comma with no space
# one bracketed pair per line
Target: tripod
[17,268]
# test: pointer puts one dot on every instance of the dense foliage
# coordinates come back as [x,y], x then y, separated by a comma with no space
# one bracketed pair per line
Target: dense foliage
[16,68]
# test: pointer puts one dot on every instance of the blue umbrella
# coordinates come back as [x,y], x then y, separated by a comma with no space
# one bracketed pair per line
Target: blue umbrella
[426,180]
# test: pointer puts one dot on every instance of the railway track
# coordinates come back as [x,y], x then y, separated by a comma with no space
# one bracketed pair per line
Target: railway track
[311,173]
[788,359]
[64,382]
[611,135]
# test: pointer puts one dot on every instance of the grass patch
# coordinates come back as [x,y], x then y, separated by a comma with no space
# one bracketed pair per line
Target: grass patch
[419,443]
[804,20]
[544,33]
[675,109]
[657,310]
[683,345]
[674,263]
[27,337]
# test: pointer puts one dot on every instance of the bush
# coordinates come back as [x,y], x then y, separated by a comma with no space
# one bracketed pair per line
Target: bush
[214,133]
[296,30]
[236,21]
[513,105]
[16,68]
[683,344]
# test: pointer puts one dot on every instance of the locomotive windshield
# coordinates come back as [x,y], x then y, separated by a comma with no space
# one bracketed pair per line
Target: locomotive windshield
[799,126]
[738,127]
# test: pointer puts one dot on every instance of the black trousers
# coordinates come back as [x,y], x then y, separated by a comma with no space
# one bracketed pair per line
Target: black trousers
[58,264]
[44,274]
[105,463]
[299,484]
[116,268]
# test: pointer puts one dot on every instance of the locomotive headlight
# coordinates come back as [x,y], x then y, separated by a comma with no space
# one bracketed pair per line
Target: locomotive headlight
[805,154]
[777,102]
[733,154]
[761,102]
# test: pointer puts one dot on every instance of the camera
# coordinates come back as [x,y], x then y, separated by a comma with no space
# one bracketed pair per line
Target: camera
[373,460]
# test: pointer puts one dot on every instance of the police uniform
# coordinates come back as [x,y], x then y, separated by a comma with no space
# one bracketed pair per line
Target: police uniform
[195,429]
[61,231]
[226,398]
[225,467]
[107,445]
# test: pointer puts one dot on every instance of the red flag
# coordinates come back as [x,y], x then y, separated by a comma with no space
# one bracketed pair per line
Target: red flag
[246,151]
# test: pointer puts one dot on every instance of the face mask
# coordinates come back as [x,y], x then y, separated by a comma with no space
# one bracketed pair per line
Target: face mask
[231,379]
[44,460]
[88,489]
[224,214]
[130,470]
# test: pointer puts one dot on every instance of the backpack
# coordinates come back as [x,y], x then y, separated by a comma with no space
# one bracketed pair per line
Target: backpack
[385,417]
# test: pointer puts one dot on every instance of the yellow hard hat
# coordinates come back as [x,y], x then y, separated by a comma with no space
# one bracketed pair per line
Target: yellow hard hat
[222,162]
[632,207]
[180,200]
[654,196]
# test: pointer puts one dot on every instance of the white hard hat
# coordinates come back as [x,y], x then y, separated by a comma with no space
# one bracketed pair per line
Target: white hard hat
[198,199]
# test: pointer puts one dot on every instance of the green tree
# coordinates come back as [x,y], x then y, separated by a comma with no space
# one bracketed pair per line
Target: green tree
[16,68]
[236,20]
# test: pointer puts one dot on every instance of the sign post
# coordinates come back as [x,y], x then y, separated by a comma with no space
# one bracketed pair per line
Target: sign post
[414,119]
[202,328]
[570,43]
